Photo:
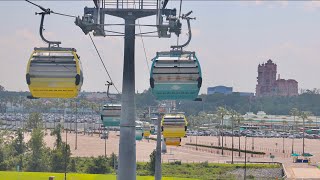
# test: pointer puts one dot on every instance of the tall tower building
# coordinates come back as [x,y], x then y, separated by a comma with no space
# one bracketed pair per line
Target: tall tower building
[267,76]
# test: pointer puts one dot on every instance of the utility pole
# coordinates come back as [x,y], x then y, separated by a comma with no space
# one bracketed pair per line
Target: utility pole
[130,11]
[232,141]
[158,169]
[245,158]
[66,151]
[105,144]
[252,148]
[76,129]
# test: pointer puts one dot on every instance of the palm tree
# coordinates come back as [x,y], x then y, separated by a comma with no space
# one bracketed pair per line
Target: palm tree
[262,122]
[239,119]
[221,112]
[233,114]
[294,112]
[304,115]
[284,124]
[310,122]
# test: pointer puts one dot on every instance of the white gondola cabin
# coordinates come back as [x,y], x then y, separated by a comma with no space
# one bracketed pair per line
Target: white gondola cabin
[175,75]
[111,115]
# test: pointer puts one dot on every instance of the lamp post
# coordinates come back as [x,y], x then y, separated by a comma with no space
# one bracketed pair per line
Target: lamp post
[66,151]
[245,158]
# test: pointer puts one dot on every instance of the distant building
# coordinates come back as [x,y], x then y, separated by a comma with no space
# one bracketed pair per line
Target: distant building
[267,75]
[269,85]
[286,87]
[246,93]
[220,89]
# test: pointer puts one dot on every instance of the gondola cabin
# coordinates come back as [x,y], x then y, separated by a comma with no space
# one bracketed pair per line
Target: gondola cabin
[139,133]
[153,129]
[54,73]
[146,129]
[172,141]
[175,75]
[111,115]
[174,125]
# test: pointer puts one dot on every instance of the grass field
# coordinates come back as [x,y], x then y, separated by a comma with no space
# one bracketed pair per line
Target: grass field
[10,175]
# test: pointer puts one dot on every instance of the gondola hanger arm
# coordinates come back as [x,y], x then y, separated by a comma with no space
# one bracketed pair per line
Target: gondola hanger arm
[185,17]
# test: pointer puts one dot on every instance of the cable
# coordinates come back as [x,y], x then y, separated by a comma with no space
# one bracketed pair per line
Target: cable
[48,10]
[61,14]
[103,63]
[144,49]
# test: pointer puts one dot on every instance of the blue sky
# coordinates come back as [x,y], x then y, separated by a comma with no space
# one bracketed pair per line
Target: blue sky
[230,38]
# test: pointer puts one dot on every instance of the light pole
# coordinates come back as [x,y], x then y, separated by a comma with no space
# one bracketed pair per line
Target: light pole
[158,169]
[245,158]
[65,158]
[76,129]
[105,145]
[283,145]
[197,141]
[252,148]
[232,140]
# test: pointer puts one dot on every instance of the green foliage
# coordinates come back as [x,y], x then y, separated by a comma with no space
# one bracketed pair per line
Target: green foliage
[57,132]
[242,104]
[3,165]
[1,88]
[60,157]
[34,121]
[73,167]
[98,165]
[113,160]
[152,163]
[9,175]
[145,99]
[38,159]
[18,143]
[176,163]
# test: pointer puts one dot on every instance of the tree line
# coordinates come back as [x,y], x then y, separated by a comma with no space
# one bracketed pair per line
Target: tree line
[309,100]
[35,156]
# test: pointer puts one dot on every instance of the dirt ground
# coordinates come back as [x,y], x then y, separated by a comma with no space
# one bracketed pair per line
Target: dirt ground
[94,146]
[88,145]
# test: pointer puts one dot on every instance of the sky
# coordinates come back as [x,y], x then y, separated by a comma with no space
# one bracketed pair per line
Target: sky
[230,38]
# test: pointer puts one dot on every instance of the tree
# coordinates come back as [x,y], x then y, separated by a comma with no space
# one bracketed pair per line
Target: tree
[38,158]
[57,132]
[304,115]
[310,122]
[1,88]
[152,163]
[294,112]
[19,147]
[113,160]
[73,167]
[221,112]
[98,165]
[34,121]
[239,120]
[233,114]
[3,165]
[60,156]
